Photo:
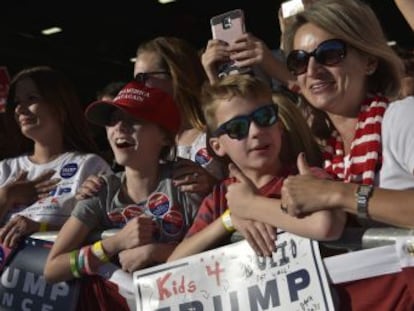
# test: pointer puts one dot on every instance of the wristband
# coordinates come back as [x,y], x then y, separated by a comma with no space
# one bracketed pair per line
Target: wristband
[88,254]
[73,257]
[99,252]
[43,227]
[226,221]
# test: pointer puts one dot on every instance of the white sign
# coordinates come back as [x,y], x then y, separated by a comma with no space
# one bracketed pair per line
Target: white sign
[234,278]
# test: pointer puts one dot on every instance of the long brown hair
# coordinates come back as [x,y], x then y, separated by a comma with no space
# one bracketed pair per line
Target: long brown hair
[61,98]
[187,73]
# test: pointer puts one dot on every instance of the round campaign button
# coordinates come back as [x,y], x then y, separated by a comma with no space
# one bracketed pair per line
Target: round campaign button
[158,203]
[116,218]
[172,223]
[202,156]
[132,211]
[68,170]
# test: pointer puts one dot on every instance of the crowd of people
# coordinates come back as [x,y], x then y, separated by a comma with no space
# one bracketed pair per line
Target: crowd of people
[199,157]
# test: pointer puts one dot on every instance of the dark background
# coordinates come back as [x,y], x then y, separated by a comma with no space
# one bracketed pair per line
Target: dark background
[99,38]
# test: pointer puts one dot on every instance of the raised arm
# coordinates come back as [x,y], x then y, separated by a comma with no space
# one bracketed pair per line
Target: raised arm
[407,10]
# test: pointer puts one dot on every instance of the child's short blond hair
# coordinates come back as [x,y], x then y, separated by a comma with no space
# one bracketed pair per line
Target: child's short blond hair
[243,86]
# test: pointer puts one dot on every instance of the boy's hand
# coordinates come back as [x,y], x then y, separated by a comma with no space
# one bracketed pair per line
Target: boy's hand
[240,194]
[260,236]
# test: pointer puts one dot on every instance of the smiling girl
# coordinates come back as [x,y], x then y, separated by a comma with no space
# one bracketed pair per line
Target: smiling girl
[37,190]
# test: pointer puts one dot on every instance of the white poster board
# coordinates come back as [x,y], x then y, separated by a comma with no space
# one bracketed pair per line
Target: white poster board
[234,278]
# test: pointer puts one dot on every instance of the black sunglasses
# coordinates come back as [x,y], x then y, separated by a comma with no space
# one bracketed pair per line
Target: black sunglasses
[142,77]
[328,53]
[238,127]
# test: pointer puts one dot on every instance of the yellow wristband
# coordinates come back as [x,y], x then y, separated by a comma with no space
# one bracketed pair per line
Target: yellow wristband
[73,257]
[226,221]
[43,227]
[99,252]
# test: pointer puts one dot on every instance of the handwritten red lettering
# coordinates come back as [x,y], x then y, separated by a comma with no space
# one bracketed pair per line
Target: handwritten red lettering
[215,271]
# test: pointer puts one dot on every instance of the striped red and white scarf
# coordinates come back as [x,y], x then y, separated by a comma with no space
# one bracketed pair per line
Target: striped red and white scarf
[365,157]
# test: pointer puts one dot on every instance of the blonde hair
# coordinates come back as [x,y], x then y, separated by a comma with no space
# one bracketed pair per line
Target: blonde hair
[182,61]
[228,87]
[296,137]
[354,22]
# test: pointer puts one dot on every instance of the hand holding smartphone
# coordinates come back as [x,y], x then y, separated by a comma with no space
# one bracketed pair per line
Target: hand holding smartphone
[228,27]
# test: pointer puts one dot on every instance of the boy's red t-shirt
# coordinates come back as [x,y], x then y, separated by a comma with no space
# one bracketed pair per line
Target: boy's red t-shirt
[215,204]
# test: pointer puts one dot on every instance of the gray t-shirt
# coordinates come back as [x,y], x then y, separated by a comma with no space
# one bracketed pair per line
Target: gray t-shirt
[172,210]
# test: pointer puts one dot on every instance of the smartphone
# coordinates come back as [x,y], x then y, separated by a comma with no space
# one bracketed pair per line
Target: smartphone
[291,7]
[228,27]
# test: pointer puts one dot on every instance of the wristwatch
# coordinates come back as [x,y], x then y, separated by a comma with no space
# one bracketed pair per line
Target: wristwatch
[363,194]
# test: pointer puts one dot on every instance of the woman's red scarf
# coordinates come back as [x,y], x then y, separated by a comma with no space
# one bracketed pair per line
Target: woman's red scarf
[365,157]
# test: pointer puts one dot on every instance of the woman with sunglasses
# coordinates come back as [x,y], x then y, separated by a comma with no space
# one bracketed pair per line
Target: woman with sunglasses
[349,75]
[349,81]
[246,132]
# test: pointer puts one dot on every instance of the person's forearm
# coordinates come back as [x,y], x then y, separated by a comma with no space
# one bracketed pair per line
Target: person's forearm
[201,241]
[58,269]
[394,207]
[161,252]
[111,245]
[320,225]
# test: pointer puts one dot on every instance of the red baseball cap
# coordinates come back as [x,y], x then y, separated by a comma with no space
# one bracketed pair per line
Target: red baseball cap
[141,102]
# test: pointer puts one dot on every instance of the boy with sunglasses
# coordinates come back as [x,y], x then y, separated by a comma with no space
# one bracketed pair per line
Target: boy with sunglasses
[244,126]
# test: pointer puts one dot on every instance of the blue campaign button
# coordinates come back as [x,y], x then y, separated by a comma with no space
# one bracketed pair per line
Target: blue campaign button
[69,170]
